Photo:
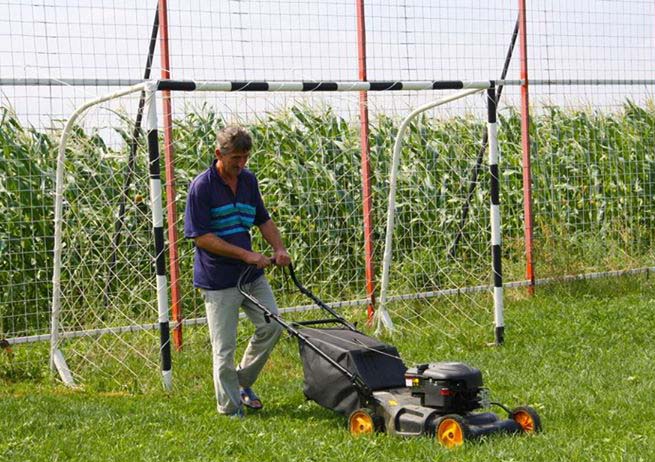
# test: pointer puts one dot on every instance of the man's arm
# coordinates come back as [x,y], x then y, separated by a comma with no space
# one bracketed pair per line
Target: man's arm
[214,244]
[272,236]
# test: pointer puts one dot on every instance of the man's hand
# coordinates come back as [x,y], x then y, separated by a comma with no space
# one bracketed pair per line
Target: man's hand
[272,236]
[281,257]
[257,259]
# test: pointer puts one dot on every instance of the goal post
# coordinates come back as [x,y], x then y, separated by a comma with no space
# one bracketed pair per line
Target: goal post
[57,358]
[496,236]
[158,234]
[383,319]
[102,322]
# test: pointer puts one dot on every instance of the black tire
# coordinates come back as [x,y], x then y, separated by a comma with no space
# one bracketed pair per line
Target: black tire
[527,418]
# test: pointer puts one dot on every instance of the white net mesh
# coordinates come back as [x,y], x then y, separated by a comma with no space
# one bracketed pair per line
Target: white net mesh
[107,274]
[440,271]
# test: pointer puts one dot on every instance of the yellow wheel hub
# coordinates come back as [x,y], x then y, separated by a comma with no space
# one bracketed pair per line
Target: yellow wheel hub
[360,423]
[450,433]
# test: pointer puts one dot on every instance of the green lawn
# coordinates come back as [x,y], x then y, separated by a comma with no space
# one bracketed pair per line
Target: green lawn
[580,353]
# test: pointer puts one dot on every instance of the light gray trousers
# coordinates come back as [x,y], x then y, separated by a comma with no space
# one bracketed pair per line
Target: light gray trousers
[222,318]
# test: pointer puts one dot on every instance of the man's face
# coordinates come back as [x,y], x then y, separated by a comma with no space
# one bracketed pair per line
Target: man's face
[232,163]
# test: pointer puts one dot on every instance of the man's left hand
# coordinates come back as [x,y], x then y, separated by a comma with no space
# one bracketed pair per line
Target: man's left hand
[282,257]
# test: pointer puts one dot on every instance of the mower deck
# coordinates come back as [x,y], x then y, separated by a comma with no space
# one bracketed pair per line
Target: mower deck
[397,412]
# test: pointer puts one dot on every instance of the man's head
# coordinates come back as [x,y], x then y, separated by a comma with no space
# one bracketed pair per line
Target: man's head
[233,145]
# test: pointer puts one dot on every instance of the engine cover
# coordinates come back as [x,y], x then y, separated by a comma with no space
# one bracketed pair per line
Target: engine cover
[448,387]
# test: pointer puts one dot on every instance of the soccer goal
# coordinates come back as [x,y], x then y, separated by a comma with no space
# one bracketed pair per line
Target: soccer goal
[441,272]
[443,249]
[109,253]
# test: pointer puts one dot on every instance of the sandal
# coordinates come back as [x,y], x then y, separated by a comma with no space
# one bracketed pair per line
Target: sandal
[250,399]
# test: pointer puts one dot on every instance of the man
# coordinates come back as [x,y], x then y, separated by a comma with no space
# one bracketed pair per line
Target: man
[224,202]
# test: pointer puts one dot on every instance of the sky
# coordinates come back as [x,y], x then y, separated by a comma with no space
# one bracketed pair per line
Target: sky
[317,40]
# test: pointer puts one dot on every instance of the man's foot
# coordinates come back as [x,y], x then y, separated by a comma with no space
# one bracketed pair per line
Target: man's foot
[238,414]
[250,399]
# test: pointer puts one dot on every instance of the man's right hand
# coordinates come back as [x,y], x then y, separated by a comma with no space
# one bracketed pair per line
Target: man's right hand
[257,259]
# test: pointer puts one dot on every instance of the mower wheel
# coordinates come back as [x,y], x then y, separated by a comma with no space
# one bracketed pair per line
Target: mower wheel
[527,418]
[452,431]
[362,422]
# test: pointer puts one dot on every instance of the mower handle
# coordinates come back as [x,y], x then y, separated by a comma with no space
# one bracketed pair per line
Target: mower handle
[336,318]
[318,301]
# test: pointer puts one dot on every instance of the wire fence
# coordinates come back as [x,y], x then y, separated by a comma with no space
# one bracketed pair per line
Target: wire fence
[593,169]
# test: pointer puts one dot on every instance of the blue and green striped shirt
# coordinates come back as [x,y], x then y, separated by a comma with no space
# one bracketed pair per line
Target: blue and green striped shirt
[212,207]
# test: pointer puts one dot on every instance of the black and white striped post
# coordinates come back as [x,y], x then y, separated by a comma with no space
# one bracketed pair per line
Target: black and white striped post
[158,232]
[496,252]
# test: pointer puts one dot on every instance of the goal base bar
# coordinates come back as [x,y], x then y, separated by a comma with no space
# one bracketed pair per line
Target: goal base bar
[62,368]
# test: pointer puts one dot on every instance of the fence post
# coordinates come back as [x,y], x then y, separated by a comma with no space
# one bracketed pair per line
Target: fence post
[525,144]
[366,170]
[171,214]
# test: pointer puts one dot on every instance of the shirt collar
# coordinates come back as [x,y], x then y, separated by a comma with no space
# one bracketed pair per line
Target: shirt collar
[214,173]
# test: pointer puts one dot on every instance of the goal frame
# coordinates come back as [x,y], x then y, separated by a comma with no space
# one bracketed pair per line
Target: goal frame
[151,87]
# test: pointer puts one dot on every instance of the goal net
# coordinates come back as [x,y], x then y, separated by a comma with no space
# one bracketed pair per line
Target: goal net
[105,309]
[442,257]
[107,329]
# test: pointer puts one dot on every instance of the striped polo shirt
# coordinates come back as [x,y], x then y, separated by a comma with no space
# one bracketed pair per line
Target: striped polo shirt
[212,207]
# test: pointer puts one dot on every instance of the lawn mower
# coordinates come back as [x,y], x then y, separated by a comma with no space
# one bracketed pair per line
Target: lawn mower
[365,379]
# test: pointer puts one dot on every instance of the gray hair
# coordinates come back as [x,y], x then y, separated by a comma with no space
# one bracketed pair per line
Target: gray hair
[233,139]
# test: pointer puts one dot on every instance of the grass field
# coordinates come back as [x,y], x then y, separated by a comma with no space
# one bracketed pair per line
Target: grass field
[579,353]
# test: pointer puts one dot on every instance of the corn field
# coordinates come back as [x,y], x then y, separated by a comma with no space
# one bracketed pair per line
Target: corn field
[593,183]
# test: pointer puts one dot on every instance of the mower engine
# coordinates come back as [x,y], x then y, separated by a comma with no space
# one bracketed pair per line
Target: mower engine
[439,399]
[450,388]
